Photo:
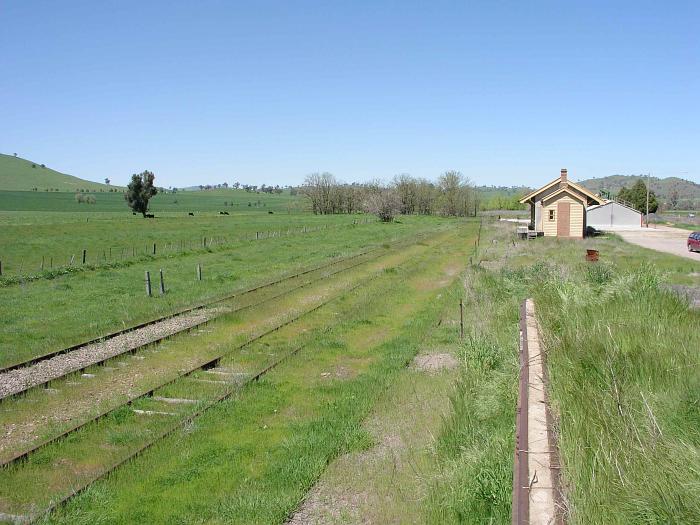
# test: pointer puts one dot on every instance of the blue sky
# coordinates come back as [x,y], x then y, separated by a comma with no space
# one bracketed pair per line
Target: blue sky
[207,92]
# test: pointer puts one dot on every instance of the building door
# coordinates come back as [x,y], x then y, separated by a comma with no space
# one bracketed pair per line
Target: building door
[563,219]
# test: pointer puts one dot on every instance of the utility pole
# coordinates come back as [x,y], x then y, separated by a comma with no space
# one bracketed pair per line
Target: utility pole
[648,184]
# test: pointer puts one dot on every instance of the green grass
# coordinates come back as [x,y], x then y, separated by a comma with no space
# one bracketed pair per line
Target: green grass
[251,459]
[19,174]
[475,445]
[625,375]
[48,314]
[25,247]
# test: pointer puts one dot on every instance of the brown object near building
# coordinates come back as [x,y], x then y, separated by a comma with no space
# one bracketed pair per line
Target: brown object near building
[558,209]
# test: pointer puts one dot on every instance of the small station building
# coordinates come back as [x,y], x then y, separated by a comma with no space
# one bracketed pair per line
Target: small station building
[559,209]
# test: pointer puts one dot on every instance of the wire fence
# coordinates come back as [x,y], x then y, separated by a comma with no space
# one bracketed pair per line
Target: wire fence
[37,266]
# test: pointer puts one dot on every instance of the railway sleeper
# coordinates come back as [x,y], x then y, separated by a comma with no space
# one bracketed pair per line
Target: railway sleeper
[176,400]
[153,412]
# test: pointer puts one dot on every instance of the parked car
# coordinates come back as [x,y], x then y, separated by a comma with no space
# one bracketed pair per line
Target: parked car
[694,242]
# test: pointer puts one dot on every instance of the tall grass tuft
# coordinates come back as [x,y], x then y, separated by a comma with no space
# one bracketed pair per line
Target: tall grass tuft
[624,361]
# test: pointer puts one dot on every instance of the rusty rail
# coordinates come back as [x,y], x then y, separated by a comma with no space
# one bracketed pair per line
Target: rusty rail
[537,497]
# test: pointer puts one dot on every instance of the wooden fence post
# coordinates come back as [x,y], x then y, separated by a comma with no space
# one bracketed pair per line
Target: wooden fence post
[461,319]
[154,248]
[0,268]
[148,283]
[199,272]
[162,283]
[84,253]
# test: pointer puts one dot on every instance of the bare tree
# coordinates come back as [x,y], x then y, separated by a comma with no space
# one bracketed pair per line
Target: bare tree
[385,204]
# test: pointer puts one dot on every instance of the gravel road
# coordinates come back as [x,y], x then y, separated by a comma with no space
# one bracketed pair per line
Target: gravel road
[662,239]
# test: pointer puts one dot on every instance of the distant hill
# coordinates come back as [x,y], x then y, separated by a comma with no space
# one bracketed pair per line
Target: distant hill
[672,192]
[18,174]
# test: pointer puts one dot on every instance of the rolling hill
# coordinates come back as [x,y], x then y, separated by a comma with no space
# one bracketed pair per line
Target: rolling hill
[674,192]
[18,174]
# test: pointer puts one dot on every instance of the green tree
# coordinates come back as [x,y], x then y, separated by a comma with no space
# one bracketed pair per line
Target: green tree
[139,191]
[637,197]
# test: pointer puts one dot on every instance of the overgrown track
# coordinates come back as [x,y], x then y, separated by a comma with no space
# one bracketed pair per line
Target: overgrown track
[188,310]
[99,360]
[79,485]
[19,456]
[47,379]
[183,422]
[211,363]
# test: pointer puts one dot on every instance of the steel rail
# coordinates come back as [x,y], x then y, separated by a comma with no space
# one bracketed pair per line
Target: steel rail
[521,489]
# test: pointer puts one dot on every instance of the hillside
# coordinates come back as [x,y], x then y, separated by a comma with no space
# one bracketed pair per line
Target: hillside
[671,191]
[18,174]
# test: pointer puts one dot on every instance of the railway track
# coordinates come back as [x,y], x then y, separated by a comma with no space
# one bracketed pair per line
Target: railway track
[25,453]
[228,392]
[17,379]
[182,423]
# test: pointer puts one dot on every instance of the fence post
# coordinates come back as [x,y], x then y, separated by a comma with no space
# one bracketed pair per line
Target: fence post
[199,272]
[0,268]
[51,263]
[42,263]
[84,253]
[72,258]
[148,283]
[162,283]
[461,319]
[154,248]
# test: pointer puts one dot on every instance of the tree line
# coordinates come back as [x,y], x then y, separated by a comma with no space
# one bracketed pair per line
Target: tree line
[451,195]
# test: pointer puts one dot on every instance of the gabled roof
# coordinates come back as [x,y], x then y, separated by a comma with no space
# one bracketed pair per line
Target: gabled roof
[556,181]
[565,190]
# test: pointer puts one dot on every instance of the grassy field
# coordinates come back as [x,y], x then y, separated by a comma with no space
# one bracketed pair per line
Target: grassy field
[37,249]
[47,314]
[19,174]
[179,203]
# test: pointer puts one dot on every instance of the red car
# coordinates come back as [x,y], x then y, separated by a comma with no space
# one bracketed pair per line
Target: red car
[694,242]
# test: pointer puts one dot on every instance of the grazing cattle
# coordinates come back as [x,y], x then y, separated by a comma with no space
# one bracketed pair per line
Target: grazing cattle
[191,214]
[133,213]
[150,216]
[270,212]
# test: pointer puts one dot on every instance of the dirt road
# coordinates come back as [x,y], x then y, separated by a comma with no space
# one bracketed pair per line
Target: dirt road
[662,239]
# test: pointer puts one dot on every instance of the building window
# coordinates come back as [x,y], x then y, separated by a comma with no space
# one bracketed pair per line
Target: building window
[551,215]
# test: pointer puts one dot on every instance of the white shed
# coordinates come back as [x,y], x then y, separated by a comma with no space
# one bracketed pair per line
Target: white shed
[613,215]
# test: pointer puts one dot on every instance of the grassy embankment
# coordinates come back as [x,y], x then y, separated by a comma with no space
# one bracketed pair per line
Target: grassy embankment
[287,427]
[45,315]
[624,371]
